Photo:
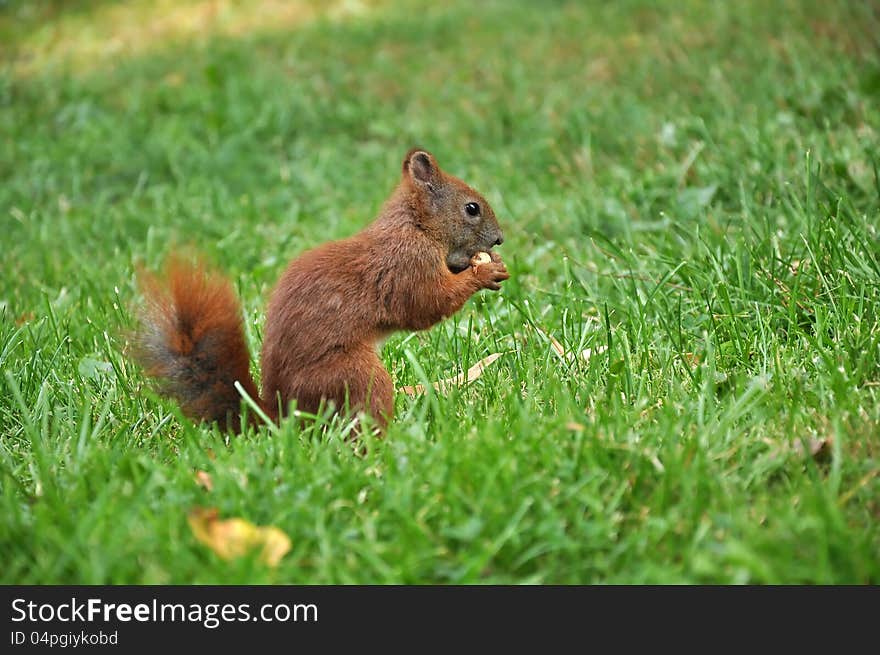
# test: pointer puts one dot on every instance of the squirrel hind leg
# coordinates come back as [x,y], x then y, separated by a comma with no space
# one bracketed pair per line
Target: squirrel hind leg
[369,388]
[379,402]
[353,382]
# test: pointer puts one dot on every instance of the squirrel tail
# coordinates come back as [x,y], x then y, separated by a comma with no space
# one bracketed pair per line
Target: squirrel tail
[191,339]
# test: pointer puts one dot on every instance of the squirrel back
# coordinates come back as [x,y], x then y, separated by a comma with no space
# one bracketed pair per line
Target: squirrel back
[409,269]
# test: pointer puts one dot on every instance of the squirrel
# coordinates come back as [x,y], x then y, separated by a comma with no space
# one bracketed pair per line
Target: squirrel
[413,266]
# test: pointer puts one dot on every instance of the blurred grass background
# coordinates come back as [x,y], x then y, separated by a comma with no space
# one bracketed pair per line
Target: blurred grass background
[689,189]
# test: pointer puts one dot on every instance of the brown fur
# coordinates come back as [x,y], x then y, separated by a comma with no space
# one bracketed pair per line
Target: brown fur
[192,340]
[331,308]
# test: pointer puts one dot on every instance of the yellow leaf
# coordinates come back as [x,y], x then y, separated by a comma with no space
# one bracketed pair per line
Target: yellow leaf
[203,479]
[556,346]
[235,537]
[564,355]
[461,379]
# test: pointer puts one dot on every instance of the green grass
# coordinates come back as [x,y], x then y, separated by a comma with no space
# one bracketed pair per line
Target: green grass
[690,191]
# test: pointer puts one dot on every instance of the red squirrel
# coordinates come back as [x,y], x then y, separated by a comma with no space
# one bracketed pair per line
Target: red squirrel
[413,266]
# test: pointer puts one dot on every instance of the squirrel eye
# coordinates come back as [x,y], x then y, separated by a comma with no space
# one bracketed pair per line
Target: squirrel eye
[472,208]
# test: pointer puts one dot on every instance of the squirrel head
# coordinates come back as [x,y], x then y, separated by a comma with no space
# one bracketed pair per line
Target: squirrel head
[450,211]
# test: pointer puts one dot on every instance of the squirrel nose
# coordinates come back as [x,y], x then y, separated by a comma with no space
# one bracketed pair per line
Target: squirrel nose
[499,240]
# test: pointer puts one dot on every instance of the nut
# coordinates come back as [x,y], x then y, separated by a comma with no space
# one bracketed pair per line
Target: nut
[481,258]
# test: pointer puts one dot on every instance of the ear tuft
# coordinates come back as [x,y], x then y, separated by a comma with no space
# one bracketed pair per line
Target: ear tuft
[420,165]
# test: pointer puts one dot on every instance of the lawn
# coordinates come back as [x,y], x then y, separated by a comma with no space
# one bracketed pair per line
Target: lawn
[689,382]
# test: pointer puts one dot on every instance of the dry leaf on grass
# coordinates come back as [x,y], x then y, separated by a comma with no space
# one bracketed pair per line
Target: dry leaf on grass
[203,479]
[556,346]
[565,355]
[235,537]
[589,352]
[819,449]
[461,379]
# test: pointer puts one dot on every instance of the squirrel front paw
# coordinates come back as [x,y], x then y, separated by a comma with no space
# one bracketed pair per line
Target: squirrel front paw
[489,270]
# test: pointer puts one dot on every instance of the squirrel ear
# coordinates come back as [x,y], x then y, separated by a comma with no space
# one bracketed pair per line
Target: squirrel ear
[420,165]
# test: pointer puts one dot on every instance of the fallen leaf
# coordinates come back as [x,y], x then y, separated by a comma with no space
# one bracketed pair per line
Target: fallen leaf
[589,352]
[461,379]
[556,346]
[203,479]
[819,449]
[574,427]
[560,350]
[235,537]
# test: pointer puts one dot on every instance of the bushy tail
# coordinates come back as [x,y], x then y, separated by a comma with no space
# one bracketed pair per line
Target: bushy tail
[191,339]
